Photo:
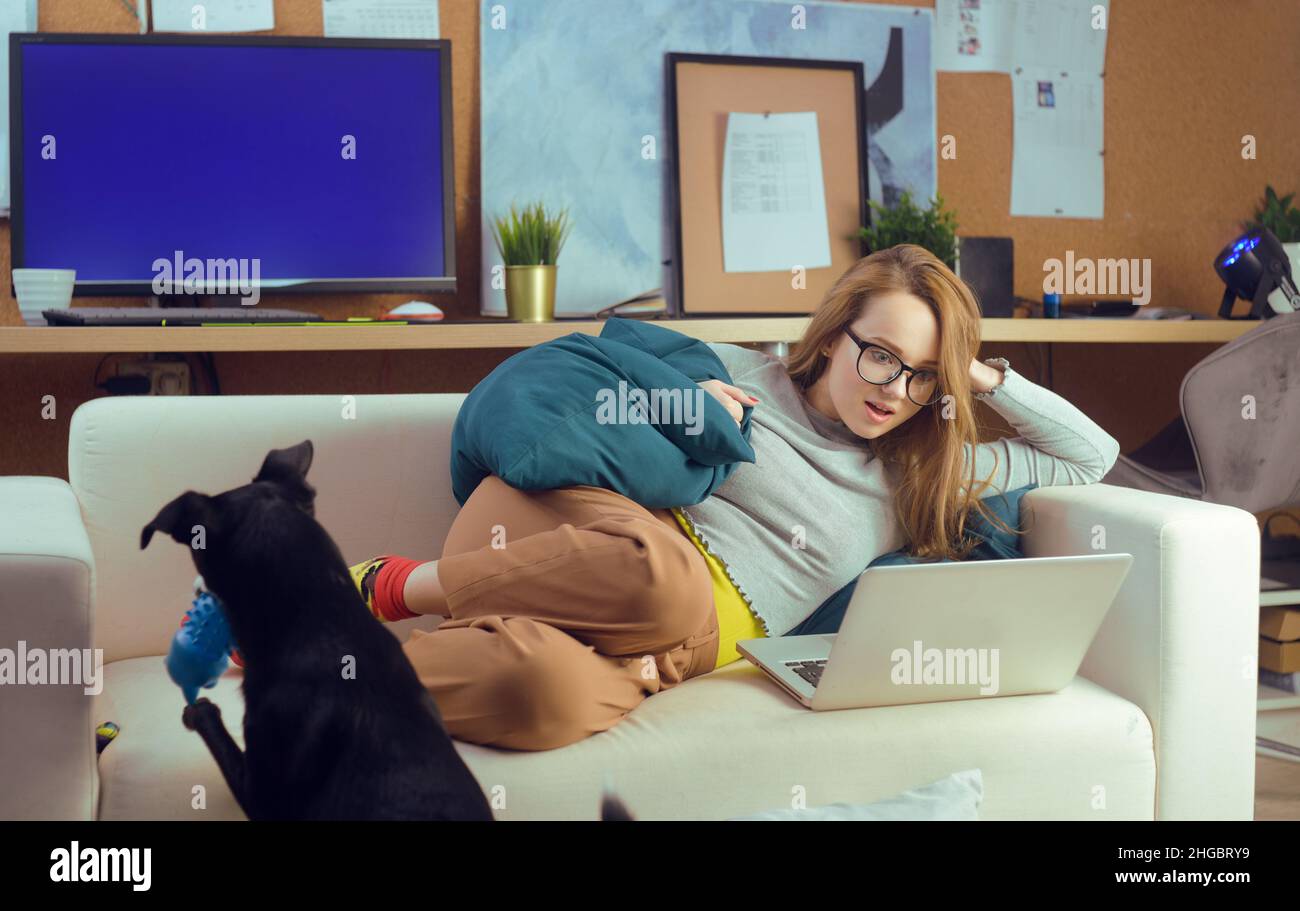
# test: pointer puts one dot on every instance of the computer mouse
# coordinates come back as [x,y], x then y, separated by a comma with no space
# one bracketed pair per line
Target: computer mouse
[1162,313]
[415,310]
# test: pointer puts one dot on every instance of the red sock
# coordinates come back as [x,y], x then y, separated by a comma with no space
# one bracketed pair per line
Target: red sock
[390,588]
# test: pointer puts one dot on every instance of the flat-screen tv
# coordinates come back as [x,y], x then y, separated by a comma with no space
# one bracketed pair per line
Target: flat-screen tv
[320,164]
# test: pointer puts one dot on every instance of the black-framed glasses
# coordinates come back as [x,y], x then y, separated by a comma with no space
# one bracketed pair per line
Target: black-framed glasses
[879,367]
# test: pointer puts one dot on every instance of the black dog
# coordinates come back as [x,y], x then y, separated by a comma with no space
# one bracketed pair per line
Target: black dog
[337,725]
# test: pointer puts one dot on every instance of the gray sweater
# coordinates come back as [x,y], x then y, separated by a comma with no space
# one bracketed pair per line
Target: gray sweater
[813,509]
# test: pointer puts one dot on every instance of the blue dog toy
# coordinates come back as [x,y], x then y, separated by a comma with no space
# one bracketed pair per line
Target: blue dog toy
[200,649]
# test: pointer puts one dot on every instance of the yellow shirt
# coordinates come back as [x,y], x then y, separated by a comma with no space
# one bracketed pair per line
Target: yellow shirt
[735,619]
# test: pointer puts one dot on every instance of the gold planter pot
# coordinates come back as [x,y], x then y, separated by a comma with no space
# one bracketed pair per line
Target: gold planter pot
[530,293]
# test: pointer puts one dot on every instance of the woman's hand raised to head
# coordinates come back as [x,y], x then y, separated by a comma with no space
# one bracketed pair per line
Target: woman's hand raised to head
[731,397]
[984,378]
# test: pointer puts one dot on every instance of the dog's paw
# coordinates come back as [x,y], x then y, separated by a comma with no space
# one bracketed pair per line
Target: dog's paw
[201,709]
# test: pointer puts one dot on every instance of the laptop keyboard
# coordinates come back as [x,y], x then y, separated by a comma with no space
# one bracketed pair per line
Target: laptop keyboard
[808,670]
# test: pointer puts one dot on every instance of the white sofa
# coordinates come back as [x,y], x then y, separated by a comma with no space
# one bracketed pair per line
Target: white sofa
[1159,724]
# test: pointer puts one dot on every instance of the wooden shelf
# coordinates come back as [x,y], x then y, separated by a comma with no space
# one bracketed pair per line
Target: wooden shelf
[97,339]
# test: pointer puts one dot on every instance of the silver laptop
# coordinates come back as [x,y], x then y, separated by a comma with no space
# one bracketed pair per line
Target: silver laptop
[935,632]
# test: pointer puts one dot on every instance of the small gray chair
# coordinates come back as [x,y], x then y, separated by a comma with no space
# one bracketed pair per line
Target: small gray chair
[1238,440]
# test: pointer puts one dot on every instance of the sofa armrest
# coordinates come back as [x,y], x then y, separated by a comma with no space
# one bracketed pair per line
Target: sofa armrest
[47,748]
[1182,637]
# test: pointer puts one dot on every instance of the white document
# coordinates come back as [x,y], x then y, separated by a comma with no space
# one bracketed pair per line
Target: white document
[773,194]
[999,35]
[1060,35]
[213,15]
[380,18]
[971,36]
[15,16]
[1057,164]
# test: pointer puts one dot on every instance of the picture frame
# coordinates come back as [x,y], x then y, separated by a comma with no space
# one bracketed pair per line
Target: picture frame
[702,89]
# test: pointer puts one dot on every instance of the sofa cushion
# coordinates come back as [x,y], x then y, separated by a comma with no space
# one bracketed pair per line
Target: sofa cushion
[541,419]
[715,747]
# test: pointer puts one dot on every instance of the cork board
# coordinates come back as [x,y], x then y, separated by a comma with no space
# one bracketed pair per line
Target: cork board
[700,95]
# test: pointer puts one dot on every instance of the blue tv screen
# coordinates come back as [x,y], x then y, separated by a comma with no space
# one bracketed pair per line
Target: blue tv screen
[322,161]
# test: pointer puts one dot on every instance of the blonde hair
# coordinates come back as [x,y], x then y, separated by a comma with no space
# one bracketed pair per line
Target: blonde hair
[925,455]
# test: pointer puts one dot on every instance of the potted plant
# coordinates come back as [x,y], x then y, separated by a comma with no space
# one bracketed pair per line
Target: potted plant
[933,228]
[530,242]
[1283,219]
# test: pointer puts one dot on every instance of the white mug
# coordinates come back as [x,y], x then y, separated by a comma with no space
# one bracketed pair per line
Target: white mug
[43,289]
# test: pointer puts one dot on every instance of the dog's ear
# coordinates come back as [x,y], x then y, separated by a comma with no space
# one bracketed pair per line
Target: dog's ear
[179,517]
[287,465]
[288,469]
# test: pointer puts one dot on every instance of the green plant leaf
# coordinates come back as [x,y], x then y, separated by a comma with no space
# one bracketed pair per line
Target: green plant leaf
[1278,215]
[531,236]
[933,228]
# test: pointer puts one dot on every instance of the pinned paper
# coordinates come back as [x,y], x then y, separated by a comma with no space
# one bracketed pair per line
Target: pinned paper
[773,194]
[999,35]
[380,18]
[213,16]
[1057,165]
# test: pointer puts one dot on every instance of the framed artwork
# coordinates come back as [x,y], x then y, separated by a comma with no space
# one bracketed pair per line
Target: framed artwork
[775,178]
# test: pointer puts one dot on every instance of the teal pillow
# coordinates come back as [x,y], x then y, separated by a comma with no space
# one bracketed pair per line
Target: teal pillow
[562,413]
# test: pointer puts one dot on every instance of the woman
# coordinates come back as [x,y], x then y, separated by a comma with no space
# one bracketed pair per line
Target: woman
[566,608]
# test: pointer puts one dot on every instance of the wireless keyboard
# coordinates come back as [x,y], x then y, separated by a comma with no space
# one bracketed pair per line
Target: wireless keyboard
[172,316]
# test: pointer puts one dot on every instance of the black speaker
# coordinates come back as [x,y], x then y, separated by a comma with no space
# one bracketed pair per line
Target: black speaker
[987,265]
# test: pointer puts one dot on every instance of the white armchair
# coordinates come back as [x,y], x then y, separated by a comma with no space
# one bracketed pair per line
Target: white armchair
[1158,724]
